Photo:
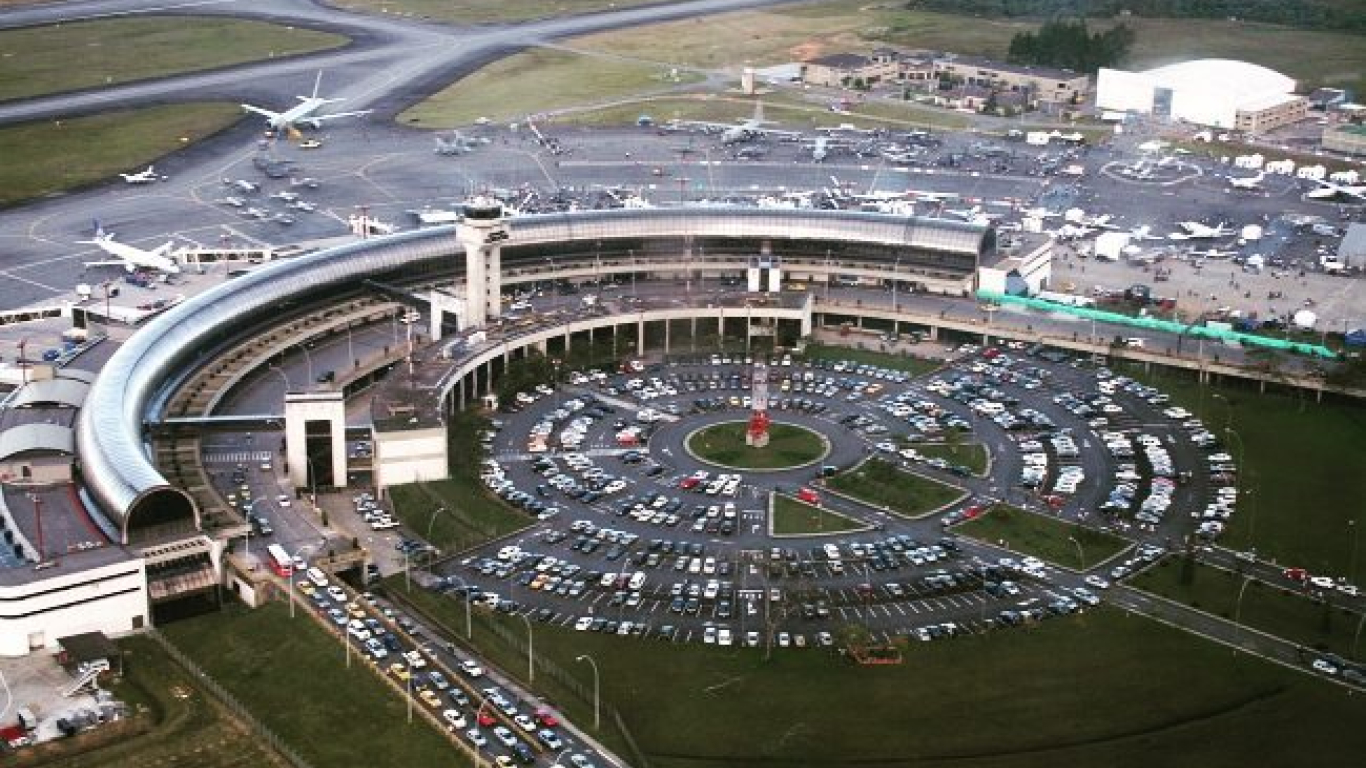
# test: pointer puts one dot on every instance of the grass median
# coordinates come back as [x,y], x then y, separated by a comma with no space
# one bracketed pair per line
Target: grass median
[538,81]
[1046,538]
[973,456]
[1284,612]
[882,484]
[794,518]
[99,53]
[293,677]
[788,446]
[485,11]
[52,156]
[912,366]
[472,515]
[1100,688]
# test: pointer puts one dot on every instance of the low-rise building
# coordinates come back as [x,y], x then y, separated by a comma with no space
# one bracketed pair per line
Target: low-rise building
[1347,139]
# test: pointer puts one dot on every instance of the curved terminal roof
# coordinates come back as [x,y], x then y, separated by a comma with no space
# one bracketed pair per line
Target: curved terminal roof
[1238,80]
[60,391]
[114,460]
[36,437]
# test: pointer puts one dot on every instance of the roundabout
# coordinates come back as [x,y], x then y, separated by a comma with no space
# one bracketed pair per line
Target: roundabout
[789,447]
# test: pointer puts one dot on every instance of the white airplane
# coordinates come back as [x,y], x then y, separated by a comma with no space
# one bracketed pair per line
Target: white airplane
[1247,182]
[821,149]
[148,176]
[1194,230]
[131,258]
[746,130]
[1144,233]
[303,113]
[1212,253]
[1328,190]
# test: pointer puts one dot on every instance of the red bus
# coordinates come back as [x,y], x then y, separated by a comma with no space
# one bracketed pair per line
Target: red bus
[280,561]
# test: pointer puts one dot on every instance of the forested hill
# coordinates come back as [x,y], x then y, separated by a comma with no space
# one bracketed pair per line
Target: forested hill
[1334,15]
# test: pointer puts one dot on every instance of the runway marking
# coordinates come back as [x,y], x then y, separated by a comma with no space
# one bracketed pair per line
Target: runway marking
[10,274]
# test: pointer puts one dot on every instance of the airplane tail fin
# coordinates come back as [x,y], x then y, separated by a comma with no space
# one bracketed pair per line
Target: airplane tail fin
[100,234]
[317,83]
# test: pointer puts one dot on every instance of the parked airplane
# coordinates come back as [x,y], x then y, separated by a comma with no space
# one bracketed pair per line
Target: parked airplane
[821,149]
[747,130]
[1212,253]
[1328,190]
[303,113]
[1247,182]
[131,258]
[143,177]
[1194,230]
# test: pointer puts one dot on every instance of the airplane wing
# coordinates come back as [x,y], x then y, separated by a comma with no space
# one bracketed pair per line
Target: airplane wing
[335,115]
[264,112]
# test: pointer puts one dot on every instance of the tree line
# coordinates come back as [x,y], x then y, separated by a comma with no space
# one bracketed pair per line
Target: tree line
[1069,44]
[1334,15]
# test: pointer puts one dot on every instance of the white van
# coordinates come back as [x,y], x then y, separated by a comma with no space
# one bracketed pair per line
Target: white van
[318,578]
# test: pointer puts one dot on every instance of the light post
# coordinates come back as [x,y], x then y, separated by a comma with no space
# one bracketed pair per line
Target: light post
[1243,470]
[283,376]
[1238,611]
[530,651]
[432,520]
[308,358]
[597,722]
[896,270]
[465,596]
[298,553]
[1352,567]
[1081,556]
[409,685]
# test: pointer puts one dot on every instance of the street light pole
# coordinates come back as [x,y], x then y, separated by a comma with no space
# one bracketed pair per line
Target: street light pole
[1081,556]
[1238,611]
[432,520]
[530,651]
[597,722]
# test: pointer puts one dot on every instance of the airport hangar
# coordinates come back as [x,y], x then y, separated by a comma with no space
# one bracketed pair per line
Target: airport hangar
[138,545]
[1219,93]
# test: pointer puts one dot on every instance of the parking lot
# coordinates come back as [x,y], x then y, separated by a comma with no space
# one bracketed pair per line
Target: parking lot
[640,538]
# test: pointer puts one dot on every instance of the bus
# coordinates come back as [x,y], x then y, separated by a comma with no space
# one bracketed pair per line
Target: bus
[280,561]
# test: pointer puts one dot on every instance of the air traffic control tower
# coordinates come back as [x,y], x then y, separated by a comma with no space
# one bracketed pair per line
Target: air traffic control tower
[482,232]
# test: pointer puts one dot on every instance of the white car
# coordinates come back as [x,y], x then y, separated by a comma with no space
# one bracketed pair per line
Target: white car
[283,500]
[1097,582]
[476,738]
[469,667]
[454,718]
[1323,666]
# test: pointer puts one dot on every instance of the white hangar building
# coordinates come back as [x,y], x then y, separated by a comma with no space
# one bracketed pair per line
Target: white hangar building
[1220,93]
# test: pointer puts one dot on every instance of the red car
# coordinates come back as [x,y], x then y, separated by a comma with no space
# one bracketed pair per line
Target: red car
[546,718]
[973,512]
[485,719]
[809,496]
[689,482]
[1296,574]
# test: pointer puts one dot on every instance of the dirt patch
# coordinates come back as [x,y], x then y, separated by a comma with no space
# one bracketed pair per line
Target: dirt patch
[807,50]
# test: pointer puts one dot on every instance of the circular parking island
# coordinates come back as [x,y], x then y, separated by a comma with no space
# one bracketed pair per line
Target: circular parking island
[789,447]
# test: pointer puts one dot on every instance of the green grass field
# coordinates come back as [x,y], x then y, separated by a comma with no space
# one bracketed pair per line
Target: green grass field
[912,366]
[484,11]
[788,446]
[293,677]
[472,515]
[1287,613]
[1100,688]
[881,484]
[538,81]
[792,517]
[1043,537]
[790,33]
[1302,501]
[38,60]
[48,157]
[970,455]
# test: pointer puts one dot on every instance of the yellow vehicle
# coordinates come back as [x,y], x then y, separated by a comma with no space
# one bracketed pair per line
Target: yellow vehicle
[400,671]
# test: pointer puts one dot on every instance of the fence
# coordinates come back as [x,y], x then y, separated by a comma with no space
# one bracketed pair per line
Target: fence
[230,701]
